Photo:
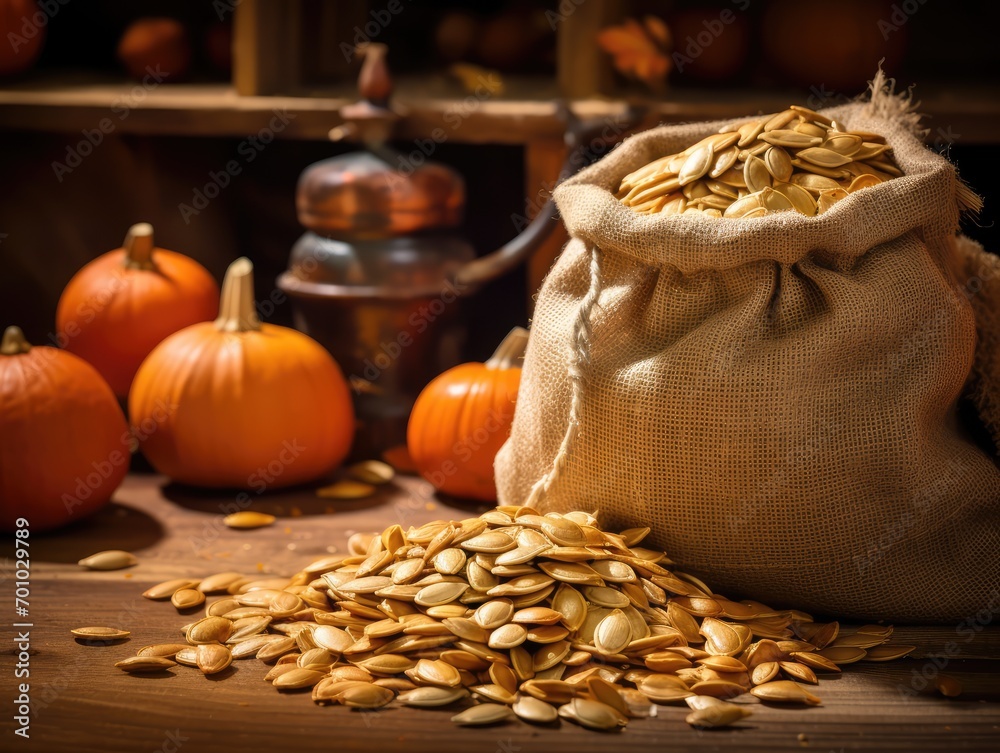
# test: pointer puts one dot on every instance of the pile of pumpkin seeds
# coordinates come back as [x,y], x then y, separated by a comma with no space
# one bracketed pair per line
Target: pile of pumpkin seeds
[798,160]
[512,614]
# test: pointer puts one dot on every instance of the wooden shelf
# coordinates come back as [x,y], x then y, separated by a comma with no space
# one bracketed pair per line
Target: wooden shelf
[525,113]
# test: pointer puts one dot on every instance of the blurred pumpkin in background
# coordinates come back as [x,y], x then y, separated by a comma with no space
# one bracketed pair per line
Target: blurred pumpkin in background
[239,404]
[159,46]
[831,46]
[21,35]
[64,444]
[117,308]
[463,417]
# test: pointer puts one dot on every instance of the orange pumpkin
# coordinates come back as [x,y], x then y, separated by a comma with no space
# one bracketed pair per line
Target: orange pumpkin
[23,27]
[237,403]
[155,45]
[463,417]
[64,444]
[121,305]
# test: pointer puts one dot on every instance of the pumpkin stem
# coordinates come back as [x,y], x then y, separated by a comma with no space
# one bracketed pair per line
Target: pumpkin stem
[510,351]
[14,342]
[237,310]
[138,246]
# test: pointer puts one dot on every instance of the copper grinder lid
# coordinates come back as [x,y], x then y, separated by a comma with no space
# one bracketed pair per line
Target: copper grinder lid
[369,194]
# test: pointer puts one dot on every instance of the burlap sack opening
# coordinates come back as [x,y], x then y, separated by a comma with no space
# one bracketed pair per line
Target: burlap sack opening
[775,397]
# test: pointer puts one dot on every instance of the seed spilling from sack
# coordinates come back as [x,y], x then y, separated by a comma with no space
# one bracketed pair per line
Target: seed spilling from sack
[795,160]
[511,615]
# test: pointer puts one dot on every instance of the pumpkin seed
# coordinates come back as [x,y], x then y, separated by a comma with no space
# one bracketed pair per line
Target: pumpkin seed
[535,711]
[432,697]
[346,489]
[373,472]
[842,654]
[593,714]
[507,636]
[165,650]
[187,598]
[721,715]
[247,519]
[212,658]
[449,561]
[707,177]
[549,655]
[483,714]
[521,609]
[210,630]
[494,613]
[948,686]
[537,616]
[784,691]
[695,166]
[493,542]
[97,634]
[365,696]
[436,673]
[604,596]
[168,588]
[440,593]
[111,559]
[888,652]
[142,664]
[218,583]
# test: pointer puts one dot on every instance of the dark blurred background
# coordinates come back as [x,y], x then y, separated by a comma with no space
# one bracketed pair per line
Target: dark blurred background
[811,52]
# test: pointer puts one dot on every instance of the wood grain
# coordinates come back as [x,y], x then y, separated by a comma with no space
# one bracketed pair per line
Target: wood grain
[527,111]
[82,703]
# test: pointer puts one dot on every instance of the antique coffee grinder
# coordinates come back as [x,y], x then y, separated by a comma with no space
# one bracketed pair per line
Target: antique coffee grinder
[379,274]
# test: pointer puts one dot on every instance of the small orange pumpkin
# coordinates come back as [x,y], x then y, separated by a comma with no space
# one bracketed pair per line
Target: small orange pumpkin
[22,34]
[121,305]
[64,444]
[463,417]
[240,404]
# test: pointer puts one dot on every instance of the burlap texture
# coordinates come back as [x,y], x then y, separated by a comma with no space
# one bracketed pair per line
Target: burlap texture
[775,397]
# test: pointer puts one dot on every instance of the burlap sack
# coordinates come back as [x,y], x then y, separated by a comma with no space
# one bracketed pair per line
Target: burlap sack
[776,397]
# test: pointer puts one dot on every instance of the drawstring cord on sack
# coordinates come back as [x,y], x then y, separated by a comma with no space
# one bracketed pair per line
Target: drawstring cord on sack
[578,367]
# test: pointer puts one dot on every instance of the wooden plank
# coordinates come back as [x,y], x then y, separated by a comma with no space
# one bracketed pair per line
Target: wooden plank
[543,162]
[583,68]
[266,46]
[528,114]
[82,703]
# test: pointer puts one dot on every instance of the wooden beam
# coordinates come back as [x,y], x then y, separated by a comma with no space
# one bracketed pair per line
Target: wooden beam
[266,46]
[583,69]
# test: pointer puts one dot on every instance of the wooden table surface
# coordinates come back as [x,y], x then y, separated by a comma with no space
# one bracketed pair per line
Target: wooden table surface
[80,702]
